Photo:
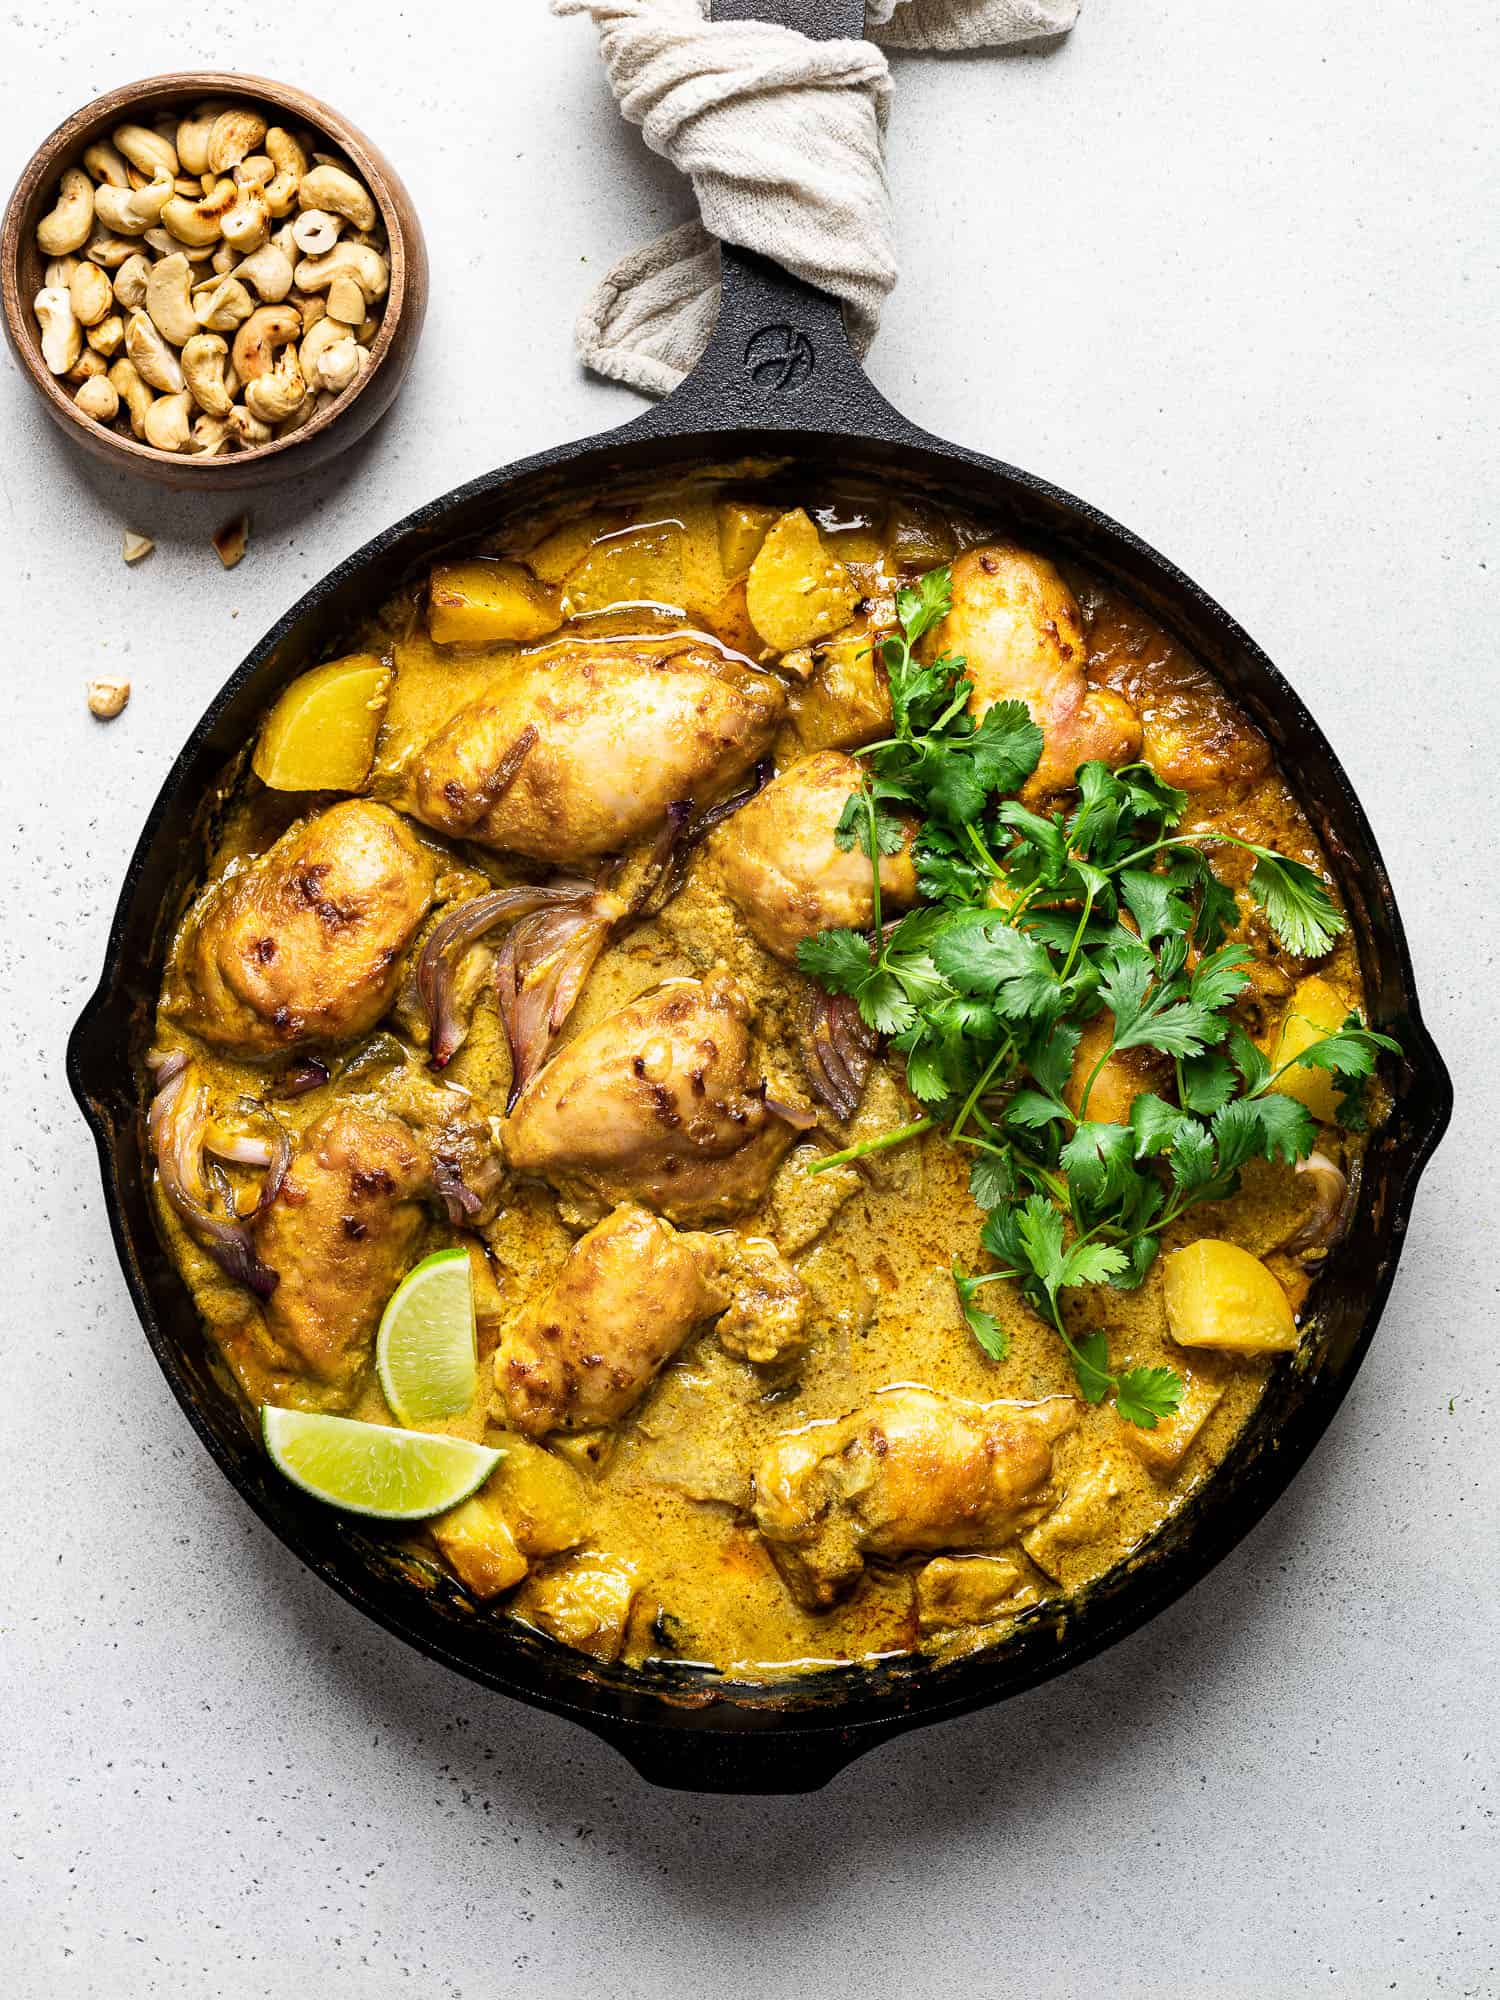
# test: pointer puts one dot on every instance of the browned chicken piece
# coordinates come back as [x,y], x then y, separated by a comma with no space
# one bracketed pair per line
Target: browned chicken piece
[780,866]
[305,944]
[340,1233]
[578,751]
[913,1470]
[659,1103]
[767,1320]
[628,1296]
[1017,626]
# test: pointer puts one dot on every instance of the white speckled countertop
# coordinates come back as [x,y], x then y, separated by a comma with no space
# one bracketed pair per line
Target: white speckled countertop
[1231,276]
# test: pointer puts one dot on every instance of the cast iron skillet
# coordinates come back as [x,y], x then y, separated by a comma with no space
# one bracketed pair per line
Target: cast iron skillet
[778,379]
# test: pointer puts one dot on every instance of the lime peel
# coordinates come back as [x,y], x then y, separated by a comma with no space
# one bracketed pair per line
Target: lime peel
[374,1469]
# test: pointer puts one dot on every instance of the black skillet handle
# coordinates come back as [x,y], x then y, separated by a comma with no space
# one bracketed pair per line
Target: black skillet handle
[779,356]
[775,1764]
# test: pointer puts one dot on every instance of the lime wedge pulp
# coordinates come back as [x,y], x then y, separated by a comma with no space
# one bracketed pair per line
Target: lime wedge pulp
[371,1468]
[425,1351]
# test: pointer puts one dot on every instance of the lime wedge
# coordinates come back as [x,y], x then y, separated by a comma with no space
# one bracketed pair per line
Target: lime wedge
[371,1468]
[425,1351]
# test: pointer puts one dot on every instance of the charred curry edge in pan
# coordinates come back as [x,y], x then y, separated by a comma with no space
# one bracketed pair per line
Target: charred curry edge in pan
[726,915]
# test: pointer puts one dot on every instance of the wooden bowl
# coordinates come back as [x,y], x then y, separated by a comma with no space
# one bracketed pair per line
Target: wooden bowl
[362,404]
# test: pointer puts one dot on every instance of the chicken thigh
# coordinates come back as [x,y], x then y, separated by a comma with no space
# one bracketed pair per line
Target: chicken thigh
[658,1103]
[913,1470]
[779,864]
[578,751]
[305,943]
[1016,625]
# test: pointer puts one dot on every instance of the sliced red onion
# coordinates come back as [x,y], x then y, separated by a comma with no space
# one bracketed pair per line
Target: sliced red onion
[451,938]
[715,815]
[177,1119]
[540,971]
[840,1050]
[459,1200]
[164,1064]
[1328,1218]
[301,1078]
[789,1114]
[243,1150]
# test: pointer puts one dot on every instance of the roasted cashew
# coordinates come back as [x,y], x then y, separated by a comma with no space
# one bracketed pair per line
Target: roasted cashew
[98,398]
[233,134]
[339,193]
[210,436]
[134,393]
[203,359]
[130,281]
[269,270]
[311,305]
[320,336]
[346,302]
[107,336]
[109,252]
[156,362]
[132,211]
[255,345]
[192,135]
[254,171]
[147,150]
[365,266]
[304,413]
[339,363]
[247,224]
[248,429]
[105,164]
[59,270]
[223,260]
[91,293]
[62,336]
[315,232]
[88,364]
[223,305]
[274,395]
[169,301]
[200,221]
[169,422]
[67,227]
[165,244]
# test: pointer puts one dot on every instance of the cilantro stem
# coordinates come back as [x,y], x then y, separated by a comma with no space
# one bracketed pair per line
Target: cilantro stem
[876,1145]
[979,1089]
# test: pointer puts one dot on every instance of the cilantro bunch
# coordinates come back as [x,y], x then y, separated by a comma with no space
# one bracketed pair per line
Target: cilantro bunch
[1032,927]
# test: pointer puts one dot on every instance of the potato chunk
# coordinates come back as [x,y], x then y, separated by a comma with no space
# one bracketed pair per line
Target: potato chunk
[955,1591]
[643,565]
[320,736]
[742,530]
[796,591]
[1162,1451]
[1219,1296]
[585,1603]
[478,1544]
[478,603]
[543,1498]
[1316,1009]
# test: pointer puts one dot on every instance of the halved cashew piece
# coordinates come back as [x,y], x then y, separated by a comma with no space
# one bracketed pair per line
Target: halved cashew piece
[98,398]
[200,221]
[315,232]
[106,164]
[222,305]
[91,293]
[169,300]
[247,428]
[108,335]
[109,252]
[169,422]
[134,393]
[346,302]
[192,135]
[305,411]
[233,134]
[88,364]
[209,438]
[67,227]
[156,362]
[247,224]
[165,244]
[269,270]
[339,193]
[147,150]
[311,305]
[321,335]
[223,260]
[255,345]
[59,270]
[130,281]
[358,261]
[274,395]
[203,359]
[132,211]
[254,171]
[62,336]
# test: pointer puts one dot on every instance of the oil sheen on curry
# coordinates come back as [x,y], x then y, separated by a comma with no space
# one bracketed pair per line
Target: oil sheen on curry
[886,1184]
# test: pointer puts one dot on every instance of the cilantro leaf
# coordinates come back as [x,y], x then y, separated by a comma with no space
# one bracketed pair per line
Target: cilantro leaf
[984,1326]
[1208,1082]
[838,960]
[1272,1127]
[1099,1161]
[1154,1124]
[1143,1396]
[1298,907]
[992,958]
[1090,1357]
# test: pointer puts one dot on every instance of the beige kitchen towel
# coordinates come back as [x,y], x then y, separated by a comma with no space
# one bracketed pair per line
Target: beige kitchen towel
[783,140]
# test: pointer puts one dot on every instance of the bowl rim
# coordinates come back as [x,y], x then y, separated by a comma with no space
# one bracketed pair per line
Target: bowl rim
[64,145]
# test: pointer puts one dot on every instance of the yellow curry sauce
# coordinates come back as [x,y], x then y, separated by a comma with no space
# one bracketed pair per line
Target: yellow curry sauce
[639,1539]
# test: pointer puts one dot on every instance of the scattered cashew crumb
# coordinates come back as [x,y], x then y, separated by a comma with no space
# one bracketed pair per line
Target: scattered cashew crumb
[135,548]
[229,542]
[107,697]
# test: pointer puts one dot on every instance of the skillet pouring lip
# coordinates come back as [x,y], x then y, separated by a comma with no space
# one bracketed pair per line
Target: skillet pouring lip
[763,1736]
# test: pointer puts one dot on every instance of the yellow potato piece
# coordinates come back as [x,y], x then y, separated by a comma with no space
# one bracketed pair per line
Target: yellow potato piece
[1315,1010]
[557,555]
[477,603]
[848,701]
[742,529]
[477,1541]
[1162,1451]
[796,591]
[642,565]
[320,736]
[542,1497]
[1219,1296]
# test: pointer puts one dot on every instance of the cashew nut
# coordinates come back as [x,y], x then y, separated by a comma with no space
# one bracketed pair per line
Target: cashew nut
[248,223]
[157,363]
[105,164]
[340,193]
[222,305]
[200,221]
[290,162]
[192,135]
[168,300]
[62,336]
[109,252]
[132,211]
[91,293]
[169,422]
[275,394]
[130,281]
[254,171]
[107,335]
[304,413]
[269,270]
[255,345]
[365,266]
[98,398]
[312,307]
[203,359]
[107,697]
[210,436]
[67,227]
[165,244]
[223,260]
[136,397]
[149,151]
[339,364]
[88,364]
[233,134]
[247,428]
[315,232]
[321,335]
[346,301]
[59,270]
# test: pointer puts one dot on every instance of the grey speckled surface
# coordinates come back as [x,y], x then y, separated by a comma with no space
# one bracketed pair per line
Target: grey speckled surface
[1232,276]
